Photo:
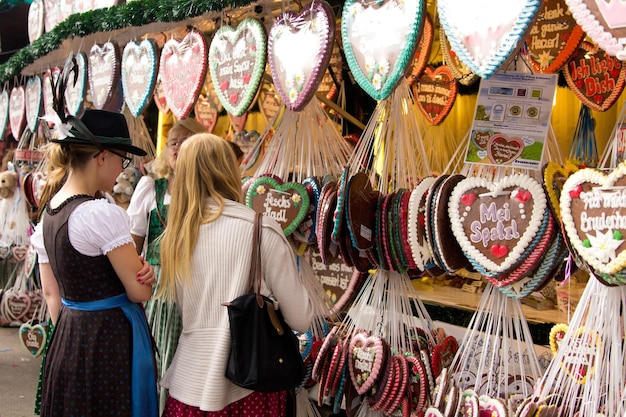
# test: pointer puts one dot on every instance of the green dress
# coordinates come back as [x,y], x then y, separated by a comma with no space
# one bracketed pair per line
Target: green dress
[163,318]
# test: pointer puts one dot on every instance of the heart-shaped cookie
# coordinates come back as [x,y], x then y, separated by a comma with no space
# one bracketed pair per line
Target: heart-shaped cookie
[4,112]
[595,77]
[182,69]
[435,93]
[557,334]
[33,337]
[35,20]
[139,73]
[420,249]
[462,73]
[503,149]
[17,305]
[554,177]
[103,73]
[485,41]
[604,22]
[33,102]
[422,50]
[379,62]
[19,252]
[366,359]
[496,225]
[237,63]
[310,34]
[469,404]
[287,203]
[591,210]
[553,38]
[492,407]
[17,111]
[205,112]
[269,102]
[75,92]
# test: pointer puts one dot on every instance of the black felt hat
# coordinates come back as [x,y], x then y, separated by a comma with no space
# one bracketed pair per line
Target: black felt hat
[102,129]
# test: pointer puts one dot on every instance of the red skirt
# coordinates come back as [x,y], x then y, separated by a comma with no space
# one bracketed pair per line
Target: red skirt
[257,404]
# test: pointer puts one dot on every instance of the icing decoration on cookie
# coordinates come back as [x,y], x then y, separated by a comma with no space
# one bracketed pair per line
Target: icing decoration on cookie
[339,214]
[35,20]
[33,337]
[604,21]
[578,354]
[383,386]
[425,357]
[401,383]
[298,49]
[17,304]
[33,100]
[362,201]
[324,351]
[17,110]
[441,388]
[422,50]
[597,79]
[433,412]
[306,344]
[366,358]
[4,112]
[418,383]
[378,62]
[237,63]
[492,407]
[103,73]
[443,354]
[305,232]
[461,72]
[503,149]
[499,226]
[324,227]
[591,209]
[75,93]
[287,203]
[435,93]
[554,176]
[484,41]
[469,404]
[553,39]
[557,334]
[182,71]
[139,73]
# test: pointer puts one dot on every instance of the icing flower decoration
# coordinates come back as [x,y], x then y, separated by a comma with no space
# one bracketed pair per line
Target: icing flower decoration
[355,9]
[603,245]
[293,95]
[260,189]
[296,199]
[377,81]
[370,63]
[383,67]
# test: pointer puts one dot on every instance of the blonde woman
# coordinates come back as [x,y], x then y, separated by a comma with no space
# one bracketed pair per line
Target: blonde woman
[205,255]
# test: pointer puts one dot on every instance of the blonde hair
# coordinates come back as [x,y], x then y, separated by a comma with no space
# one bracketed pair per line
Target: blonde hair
[206,167]
[60,159]
[161,166]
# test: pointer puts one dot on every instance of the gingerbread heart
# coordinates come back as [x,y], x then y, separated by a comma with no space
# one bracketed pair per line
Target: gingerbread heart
[17,305]
[553,38]
[422,50]
[182,70]
[287,203]
[503,149]
[435,93]
[49,77]
[19,252]
[33,337]
[139,73]
[237,63]
[33,102]
[35,20]
[484,41]
[75,91]
[421,253]
[591,205]
[238,122]
[206,113]
[498,225]
[310,33]
[366,358]
[469,404]
[269,102]
[554,177]
[17,111]
[104,73]
[4,112]
[462,73]
[51,14]
[379,62]
[604,22]
[595,77]
[492,407]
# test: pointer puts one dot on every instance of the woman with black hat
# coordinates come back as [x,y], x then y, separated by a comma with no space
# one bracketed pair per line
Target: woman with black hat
[100,360]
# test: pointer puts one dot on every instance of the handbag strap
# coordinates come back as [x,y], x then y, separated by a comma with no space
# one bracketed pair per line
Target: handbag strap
[254,277]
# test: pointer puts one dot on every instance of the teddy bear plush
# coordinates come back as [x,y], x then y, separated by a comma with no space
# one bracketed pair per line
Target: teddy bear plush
[8,183]
[125,185]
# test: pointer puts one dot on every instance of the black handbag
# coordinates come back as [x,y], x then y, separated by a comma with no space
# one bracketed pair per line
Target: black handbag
[264,351]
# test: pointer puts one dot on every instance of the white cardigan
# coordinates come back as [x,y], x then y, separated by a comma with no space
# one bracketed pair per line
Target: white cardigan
[219,273]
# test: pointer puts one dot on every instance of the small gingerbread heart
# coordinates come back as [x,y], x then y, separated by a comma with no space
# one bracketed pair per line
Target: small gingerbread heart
[366,359]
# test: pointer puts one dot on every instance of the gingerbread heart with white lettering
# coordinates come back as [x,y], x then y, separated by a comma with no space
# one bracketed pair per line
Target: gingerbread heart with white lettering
[33,337]
[496,223]
[553,38]
[485,41]
[435,93]
[75,91]
[287,203]
[35,20]
[205,112]
[379,62]
[33,102]
[139,73]
[592,211]
[366,359]
[103,73]
[237,63]
[310,35]
[17,305]
[595,77]
[604,22]
[182,70]
[4,113]
[503,149]
[17,111]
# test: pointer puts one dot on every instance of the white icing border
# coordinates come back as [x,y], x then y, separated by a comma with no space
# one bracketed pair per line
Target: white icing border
[534,223]
[421,254]
[150,47]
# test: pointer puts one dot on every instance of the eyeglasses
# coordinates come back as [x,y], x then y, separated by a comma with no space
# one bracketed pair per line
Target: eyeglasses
[175,143]
[126,161]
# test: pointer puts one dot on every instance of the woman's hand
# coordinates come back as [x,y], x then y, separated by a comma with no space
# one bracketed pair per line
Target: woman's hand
[146,276]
